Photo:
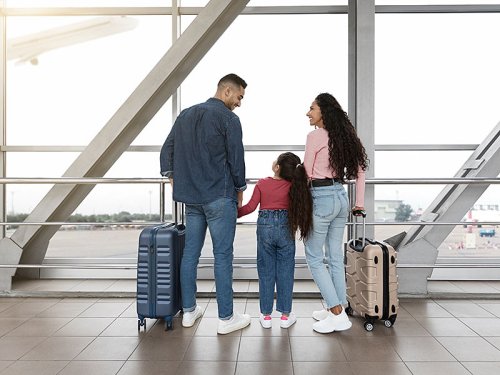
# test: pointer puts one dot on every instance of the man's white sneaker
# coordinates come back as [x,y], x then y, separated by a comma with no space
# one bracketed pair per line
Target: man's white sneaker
[237,321]
[288,321]
[189,318]
[320,314]
[265,321]
[332,323]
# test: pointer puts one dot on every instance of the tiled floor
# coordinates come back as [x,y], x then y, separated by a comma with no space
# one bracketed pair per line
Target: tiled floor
[99,336]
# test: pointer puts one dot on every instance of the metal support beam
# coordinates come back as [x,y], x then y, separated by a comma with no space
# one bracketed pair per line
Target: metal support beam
[362,85]
[451,205]
[29,244]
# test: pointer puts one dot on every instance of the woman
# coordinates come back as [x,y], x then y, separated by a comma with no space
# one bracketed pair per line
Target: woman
[333,154]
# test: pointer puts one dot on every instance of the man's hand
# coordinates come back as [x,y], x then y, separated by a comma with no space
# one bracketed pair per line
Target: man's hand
[240,199]
[358,211]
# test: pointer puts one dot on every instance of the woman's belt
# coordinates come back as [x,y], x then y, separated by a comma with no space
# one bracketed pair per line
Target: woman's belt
[325,182]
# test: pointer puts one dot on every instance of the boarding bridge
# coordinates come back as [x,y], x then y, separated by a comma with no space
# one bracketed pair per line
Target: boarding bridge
[422,241]
[29,243]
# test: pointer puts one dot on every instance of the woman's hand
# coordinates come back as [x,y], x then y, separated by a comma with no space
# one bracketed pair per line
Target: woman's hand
[358,211]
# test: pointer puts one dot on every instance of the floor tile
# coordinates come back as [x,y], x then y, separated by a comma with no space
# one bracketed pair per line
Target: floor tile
[5,364]
[93,285]
[325,348]
[13,348]
[92,367]
[26,309]
[470,349]
[211,311]
[405,327]
[482,368]
[129,327]
[206,368]
[161,349]
[8,324]
[35,368]
[265,349]
[465,310]
[303,327]
[446,327]
[109,349]
[58,349]
[252,368]
[437,368]
[426,308]
[39,327]
[221,348]
[65,310]
[84,327]
[105,310]
[420,349]
[149,368]
[322,368]
[379,368]
[305,308]
[208,327]
[483,326]
[368,349]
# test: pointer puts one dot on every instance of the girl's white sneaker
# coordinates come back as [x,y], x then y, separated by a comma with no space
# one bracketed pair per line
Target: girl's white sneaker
[288,321]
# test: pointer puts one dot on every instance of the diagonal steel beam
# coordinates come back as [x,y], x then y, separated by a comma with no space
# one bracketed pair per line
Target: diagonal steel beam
[29,244]
[451,205]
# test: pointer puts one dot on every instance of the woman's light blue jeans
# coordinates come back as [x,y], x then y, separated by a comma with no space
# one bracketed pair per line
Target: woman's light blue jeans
[220,218]
[326,241]
[275,261]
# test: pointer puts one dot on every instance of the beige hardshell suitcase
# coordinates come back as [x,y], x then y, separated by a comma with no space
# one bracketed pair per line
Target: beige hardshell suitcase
[372,281]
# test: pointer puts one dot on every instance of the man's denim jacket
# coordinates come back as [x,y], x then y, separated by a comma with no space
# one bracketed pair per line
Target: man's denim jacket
[204,154]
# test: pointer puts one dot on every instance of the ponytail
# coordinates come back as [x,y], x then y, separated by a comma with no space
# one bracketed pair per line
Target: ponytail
[300,209]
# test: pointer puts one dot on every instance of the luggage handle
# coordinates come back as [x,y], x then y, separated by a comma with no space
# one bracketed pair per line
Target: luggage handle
[361,213]
[178,212]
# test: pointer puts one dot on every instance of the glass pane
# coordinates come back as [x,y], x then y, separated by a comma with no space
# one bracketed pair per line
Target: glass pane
[285,63]
[437,84]
[85,3]
[76,79]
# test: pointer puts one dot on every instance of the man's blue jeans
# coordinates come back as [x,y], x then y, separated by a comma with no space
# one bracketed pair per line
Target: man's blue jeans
[275,261]
[329,219]
[220,218]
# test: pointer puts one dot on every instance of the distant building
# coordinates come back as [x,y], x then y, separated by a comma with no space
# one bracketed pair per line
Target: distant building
[385,210]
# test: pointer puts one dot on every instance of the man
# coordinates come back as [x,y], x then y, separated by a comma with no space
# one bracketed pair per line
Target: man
[203,157]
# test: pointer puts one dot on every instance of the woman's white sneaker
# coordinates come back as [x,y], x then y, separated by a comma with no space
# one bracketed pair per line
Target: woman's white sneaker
[320,314]
[332,323]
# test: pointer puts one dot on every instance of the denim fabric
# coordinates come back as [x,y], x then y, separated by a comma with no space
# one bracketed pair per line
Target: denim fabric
[220,218]
[275,261]
[204,154]
[326,241]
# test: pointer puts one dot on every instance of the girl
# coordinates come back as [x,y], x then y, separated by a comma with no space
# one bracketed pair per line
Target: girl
[285,207]
[333,154]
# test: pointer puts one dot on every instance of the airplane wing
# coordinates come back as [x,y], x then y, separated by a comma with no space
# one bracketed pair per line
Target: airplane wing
[29,47]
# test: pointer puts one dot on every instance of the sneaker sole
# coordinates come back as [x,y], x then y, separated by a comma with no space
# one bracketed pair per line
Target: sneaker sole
[341,327]
[225,331]
[285,326]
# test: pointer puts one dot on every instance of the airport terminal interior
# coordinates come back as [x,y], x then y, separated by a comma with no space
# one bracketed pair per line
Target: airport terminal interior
[90,92]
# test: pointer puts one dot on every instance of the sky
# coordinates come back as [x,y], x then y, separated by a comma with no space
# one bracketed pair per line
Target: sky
[434,84]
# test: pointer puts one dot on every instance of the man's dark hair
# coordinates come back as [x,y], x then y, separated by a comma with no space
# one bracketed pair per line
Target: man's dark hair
[232,79]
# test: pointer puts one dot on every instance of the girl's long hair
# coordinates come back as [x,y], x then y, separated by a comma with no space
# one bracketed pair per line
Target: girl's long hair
[346,152]
[300,207]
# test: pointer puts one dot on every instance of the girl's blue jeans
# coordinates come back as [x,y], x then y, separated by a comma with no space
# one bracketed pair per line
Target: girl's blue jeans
[275,261]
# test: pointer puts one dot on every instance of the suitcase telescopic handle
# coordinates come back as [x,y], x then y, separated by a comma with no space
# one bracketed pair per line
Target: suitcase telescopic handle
[361,213]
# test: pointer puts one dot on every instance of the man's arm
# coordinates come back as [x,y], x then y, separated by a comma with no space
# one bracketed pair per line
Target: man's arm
[236,154]
[167,155]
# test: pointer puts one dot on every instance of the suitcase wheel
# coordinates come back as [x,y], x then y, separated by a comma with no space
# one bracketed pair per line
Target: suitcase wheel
[169,323]
[140,323]
[349,311]
[368,326]
[388,323]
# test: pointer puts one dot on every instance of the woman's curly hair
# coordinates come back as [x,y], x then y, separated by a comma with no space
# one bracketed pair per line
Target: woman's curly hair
[345,149]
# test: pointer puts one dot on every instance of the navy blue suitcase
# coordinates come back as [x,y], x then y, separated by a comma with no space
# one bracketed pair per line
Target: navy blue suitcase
[158,273]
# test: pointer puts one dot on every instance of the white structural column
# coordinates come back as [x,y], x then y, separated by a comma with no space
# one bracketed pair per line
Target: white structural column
[451,205]
[362,85]
[28,244]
